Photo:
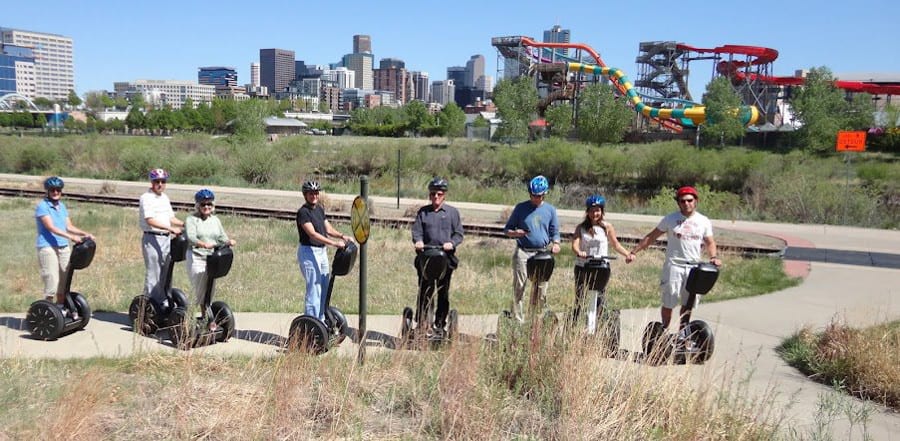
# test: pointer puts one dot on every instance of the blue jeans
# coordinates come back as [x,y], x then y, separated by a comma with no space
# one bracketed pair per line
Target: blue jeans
[314,266]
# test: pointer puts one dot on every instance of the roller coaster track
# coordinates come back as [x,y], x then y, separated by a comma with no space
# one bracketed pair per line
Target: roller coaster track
[474,229]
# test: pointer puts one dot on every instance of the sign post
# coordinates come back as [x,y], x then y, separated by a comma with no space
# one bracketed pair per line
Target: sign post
[359,223]
[849,141]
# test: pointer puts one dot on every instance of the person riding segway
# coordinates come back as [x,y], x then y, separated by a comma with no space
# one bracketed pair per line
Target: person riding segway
[147,314]
[436,234]
[46,320]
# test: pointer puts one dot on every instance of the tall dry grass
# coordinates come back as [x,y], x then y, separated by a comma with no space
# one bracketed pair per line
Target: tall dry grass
[562,388]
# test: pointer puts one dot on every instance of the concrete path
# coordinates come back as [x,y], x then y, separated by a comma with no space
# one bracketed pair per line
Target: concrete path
[850,275]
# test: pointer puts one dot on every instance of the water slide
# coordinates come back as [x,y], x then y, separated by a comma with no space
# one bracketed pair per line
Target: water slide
[669,118]
[763,55]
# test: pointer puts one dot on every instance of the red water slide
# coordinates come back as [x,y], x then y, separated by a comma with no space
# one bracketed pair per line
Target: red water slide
[762,55]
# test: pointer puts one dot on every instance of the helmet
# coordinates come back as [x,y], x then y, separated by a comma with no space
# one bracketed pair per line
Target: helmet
[311,186]
[595,200]
[204,195]
[538,185]
[53,182]
[158,173]
[685,191]
[438,184]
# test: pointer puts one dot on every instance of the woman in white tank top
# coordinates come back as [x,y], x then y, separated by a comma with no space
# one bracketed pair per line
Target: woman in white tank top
[592,238]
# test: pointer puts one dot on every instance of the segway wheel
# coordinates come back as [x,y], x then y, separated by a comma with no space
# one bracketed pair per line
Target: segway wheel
[143,316]
[337,325]
[45,320]
[453,326]
[655,348]
[701,335]
[179,297]
[83,309]
[407,325]
[224,318]
[179,329]
[308,334]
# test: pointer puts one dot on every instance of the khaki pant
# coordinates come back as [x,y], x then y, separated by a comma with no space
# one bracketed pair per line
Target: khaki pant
[520,277]
[53,263]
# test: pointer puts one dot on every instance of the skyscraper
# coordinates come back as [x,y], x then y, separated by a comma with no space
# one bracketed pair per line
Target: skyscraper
[457,74]
[393,76]
[421,86]
[361,64]
[16,70]
[254,75]
[54,69]
[276,69]
[474,71]
[362,43]
[556,34]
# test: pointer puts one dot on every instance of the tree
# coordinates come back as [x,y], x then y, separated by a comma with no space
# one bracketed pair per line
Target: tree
[249,121]
[135,119]
[137,100]
[601,117]
[40,121]
[823,110]
[417,116]
[120,103]
[42,103]
[723,121]
[559,118]
[452,121]
[516,102]
[73,99]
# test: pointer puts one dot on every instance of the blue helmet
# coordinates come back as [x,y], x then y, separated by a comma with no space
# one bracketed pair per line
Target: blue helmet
[158,174]
[204,195]
[53,182]
[538,185]
[595,200]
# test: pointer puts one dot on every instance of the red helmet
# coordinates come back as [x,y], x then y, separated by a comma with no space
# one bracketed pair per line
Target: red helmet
[686,190]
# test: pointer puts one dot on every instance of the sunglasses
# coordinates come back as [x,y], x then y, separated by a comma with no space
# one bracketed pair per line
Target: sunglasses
[54,190]
[686,200]
[436,193]
[207,204]
[158,181]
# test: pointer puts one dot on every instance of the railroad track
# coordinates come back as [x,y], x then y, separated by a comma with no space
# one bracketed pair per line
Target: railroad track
[483,230]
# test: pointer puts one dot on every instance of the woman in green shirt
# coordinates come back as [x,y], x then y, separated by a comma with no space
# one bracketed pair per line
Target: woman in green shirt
[204,233]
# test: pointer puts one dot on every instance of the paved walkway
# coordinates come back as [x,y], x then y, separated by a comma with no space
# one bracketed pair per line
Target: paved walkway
[850,275]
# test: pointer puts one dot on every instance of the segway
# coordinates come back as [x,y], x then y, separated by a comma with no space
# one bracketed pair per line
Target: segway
[148,315]
[433,263]
[596,273]
[45,319]
[539,268]
[695,342]
[186,334]
[313,335]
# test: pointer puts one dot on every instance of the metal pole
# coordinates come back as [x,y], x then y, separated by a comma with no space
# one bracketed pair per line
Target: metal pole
[398,179]
[361,355]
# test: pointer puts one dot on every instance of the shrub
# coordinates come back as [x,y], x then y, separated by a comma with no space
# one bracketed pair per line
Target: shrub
[257,164]
[38,159]
[198,169]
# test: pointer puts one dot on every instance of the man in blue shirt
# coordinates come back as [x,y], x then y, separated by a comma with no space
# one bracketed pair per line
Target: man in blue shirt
[535,225]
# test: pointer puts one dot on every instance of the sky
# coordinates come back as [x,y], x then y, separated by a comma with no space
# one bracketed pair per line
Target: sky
[169,40]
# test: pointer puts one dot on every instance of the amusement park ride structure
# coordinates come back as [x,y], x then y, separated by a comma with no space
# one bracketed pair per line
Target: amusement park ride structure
[660,93]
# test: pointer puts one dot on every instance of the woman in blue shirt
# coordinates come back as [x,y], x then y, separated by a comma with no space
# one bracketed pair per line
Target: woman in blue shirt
[54,231]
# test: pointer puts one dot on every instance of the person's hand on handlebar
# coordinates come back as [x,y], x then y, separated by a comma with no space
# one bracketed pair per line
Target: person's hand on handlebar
[448,246]
[419,245]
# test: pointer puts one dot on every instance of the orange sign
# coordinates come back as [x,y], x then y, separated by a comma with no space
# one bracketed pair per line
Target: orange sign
[851,141]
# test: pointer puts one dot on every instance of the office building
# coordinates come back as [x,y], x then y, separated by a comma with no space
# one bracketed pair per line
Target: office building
[218,76]
[276,70]
[392,76]
[421,86]
[442,92]
[16,70]
[362,44]
[54,68]
[162,93]
[340,77]
[556,34]
[474,71]
[254,75]
[361,64]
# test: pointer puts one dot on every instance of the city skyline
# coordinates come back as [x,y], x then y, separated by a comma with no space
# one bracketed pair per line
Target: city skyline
[114,44]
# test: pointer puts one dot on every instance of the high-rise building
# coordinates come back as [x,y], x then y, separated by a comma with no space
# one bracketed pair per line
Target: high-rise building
[556,34]
[218,76]
[421,86]
[16,70]
[442,92]
[392,76]
[361,64]
[361,44]
[254,75]
[276,69]
[340,77]
[457,74]
[474,71]
[54,68]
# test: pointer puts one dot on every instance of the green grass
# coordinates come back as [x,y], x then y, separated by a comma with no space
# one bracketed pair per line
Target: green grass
[265,276]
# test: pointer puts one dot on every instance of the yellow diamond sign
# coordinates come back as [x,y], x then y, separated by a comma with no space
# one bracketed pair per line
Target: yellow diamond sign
[359,220]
